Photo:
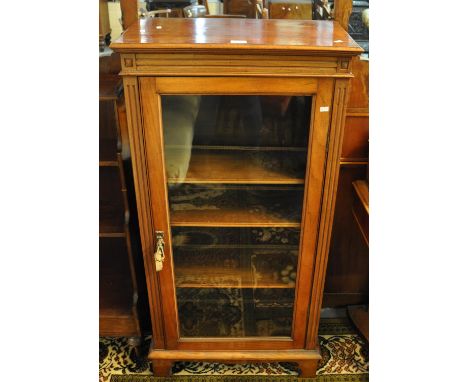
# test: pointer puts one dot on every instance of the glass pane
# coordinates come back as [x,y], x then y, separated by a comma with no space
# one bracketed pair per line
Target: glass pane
[235,167]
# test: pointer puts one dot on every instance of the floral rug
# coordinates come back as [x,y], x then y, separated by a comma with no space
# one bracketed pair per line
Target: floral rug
[344,354]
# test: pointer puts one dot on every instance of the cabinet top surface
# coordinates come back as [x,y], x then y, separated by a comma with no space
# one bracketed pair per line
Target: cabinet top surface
[236,35]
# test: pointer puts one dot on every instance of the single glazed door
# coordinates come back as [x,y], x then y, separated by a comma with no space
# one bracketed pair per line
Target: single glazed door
[236,170]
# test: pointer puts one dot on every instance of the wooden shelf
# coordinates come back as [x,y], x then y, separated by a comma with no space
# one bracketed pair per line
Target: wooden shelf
[117,306]
[241,166]
[236,206]
[111,228]
[198,247]
[228,218]
[108,163]
[115,295]
[108,148]
[112,212]
[109,86]
[211,277]
[112,234]
[238,148]
[111,220]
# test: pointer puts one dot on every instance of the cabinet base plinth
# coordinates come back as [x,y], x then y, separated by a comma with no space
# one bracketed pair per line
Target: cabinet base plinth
[307,359]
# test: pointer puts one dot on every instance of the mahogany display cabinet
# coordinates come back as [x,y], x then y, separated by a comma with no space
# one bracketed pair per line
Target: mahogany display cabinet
[235,129]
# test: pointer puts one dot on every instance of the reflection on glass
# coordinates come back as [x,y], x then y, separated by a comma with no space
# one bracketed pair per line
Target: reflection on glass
[235,167]
[234,205]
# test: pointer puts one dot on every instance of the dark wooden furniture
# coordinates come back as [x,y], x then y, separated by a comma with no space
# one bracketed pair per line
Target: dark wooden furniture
[290,9]
[361,207]
[360,314]
[347,277]
[104,24]
[240,7]
[120,302]
[342,12]
[236,128]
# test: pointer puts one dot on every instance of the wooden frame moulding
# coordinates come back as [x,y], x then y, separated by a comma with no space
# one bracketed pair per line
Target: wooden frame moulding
[150,89]
[238,65]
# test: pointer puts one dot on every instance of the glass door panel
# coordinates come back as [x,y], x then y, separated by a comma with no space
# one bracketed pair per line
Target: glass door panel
[235,167]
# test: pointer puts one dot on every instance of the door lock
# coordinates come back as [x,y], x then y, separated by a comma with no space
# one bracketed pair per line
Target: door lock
[159,253]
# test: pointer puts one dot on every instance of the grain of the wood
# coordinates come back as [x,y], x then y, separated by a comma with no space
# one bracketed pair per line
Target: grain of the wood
[136,138]
[117,325]
[234,167]
[129,10]
[268,64]
[359,95]
[328,203]
[203,277]
[252,355]
[269,71]
[197,85]
[235,344]
[230,217]
[217,34]
[318,137]
[110,163]
[343,9]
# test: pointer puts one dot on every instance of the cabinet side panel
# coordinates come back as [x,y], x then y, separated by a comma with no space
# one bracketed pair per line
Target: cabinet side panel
[328,205]
[143,199]
[319,129]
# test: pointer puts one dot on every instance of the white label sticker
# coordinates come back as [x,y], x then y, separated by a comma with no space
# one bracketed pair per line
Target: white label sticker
[159,27]
[324,109]
[238,41]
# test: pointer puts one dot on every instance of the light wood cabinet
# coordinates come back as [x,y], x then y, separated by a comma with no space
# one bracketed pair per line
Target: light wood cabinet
[122,293]
[235,128]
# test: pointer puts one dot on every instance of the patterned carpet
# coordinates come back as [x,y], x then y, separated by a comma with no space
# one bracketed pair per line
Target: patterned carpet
[344,353]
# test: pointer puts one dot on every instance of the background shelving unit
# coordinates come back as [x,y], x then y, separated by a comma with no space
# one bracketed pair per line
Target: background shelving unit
[122,294]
